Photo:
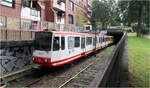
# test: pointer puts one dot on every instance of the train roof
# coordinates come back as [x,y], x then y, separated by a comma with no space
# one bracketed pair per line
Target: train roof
[72,33]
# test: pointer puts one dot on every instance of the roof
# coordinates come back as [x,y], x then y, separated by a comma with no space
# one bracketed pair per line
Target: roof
[71,33]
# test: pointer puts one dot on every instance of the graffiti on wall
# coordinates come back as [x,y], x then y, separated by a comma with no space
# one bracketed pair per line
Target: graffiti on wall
[15,58]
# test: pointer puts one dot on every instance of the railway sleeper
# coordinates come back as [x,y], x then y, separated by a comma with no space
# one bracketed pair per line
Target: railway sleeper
[77,85]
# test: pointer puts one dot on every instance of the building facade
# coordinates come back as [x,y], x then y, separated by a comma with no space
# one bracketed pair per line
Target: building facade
[68,12]
[76,12]
[10,8]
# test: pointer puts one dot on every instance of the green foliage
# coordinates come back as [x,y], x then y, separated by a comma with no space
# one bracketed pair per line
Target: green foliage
[80,20]
[134,11]
[5,81]
[25,3]
[129,10]
[144,28]
[104,11]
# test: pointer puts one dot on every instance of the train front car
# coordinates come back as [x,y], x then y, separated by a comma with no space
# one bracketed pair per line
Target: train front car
[42,48]
[58,48]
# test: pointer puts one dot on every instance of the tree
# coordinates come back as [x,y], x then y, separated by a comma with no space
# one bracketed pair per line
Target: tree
[25,3]
[103,11]
[135,11]
[80,20]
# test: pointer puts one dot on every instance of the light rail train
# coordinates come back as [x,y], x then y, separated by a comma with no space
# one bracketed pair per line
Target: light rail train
[54,48]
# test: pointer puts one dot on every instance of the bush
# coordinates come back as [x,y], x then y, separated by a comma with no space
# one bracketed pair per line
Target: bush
[128,29]
[144,30]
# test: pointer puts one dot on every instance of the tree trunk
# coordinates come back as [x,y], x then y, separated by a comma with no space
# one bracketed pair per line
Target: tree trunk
[140,17]
[103,25]
[129,15]
[93,25]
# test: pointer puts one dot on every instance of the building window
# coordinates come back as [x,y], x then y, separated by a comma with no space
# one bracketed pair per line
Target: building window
[70,5]
[9,3]
[34,13]
[59,2]
[70,19]
[77,41]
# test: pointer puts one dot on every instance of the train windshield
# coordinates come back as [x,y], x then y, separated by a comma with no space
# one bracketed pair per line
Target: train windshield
[43,41]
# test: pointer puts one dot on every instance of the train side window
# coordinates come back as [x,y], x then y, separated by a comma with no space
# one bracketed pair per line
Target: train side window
[62,43]
[99,39]
[70,42]
[94,41]
[77,41]
[88,40]
[103,39]
[56,43]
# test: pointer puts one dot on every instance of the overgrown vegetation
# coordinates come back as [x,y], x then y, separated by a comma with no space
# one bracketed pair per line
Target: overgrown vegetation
[131,13]
[135,13]
[103,12]
[139,61]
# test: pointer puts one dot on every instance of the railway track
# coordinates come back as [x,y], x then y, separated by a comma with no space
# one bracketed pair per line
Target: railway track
[85,76]
[76,74]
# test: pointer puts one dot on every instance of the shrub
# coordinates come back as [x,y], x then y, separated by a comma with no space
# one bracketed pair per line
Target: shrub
[145,30]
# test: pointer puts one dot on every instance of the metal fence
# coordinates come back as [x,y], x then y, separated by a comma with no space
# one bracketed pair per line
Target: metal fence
[16,35]
[14,29]
[12,23]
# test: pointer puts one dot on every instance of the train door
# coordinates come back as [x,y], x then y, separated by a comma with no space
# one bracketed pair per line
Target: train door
[56,48]
[63,48]
[83,44]
[102,41]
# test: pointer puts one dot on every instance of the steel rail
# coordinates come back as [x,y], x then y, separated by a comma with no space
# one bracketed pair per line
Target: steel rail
[75,75]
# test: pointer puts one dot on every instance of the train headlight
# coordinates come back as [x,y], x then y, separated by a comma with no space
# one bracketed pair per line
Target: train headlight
[33,58]
[45,60]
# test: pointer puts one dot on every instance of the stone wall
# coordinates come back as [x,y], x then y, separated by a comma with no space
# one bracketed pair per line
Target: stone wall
[14,58]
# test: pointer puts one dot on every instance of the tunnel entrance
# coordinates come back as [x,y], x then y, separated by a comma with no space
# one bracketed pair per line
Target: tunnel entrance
[117,35]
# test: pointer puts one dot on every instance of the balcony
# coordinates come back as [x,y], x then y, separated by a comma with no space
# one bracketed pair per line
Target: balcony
[59,4]
[30,14]
[60,20]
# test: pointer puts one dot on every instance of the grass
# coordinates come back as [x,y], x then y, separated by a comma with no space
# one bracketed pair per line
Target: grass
[139,61]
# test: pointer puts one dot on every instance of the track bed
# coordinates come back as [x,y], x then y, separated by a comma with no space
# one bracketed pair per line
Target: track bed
[78,73]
